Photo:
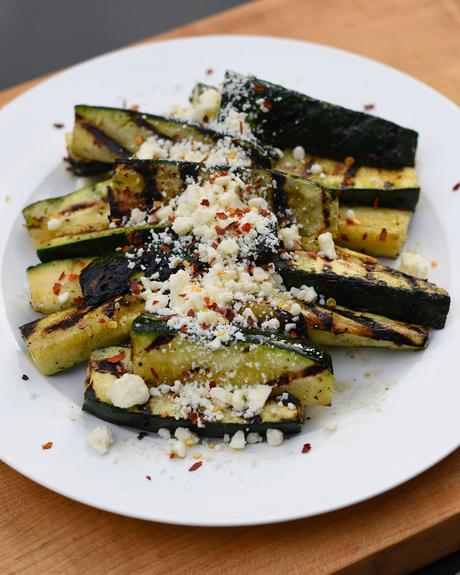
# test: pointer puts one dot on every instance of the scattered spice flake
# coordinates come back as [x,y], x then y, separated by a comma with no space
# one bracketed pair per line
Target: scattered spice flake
[58,125]
[47,445]
[246,227]
[24,377]
[306,447]
[61,277]
[383,235]
[141,435]
[209,71]
[56,288]
[134,107]
[349,161]
[204,202]
[135,288]
[195,466]
[434,264]
[258,89]
[456,187]
[154,373]
[148,477]
[116,358]
[368,107]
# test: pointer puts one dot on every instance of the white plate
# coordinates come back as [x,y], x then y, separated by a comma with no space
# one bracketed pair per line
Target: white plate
[394,414]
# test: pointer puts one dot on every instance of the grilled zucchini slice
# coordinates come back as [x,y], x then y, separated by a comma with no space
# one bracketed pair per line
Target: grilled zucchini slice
[60,340]
[161,355]
[55,286]
[286,119]
[361,185]
[339,326]
[104,135]
[162,412]
[378,232]
[362,283]
[93,244]
[139,183]
[86,210]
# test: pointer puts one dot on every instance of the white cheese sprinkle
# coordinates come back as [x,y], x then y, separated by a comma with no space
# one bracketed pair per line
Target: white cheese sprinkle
[299,154]
[414,265]
[253,438]
[164,433]
[238,440]
[53,224]
[100,439]
[326,246]
[275,437]
[63,297]
[290,237]
[316,169]
[128,390]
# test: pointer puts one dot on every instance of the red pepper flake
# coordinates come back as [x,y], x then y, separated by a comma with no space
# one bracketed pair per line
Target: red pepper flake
[154,373]
[212,384]
[135,288]
[264,213]
[78,300]
[61,277]
[56,288]
[246,227]
[191,313]
[195,466]
[148,477]
[312,254]
[134,107]
[184,329]
[267,104]
[306,448]
[58,125]
[116,358]
[456,187]
[73,277]
[222,215]
[47,445]
[293,334]
[364,236]
[101,320]
[258,89]
[368,107]
[376,202]
[204,202]
[205,325]
[172,455]
[230,315]
[24,377]
[383,235]
[126,249]
[220,231]
[165,249]
[209,71]
[349,161]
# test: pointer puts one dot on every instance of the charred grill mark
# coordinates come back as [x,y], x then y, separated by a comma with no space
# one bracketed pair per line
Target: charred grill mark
[70,320]
[312,370]
[109,309]
[159,341]
[323,317]
[280,201]
[103,139]
[76,207]
[150,191]
[325,208]
[383,333]
[189,170]
[287,377]
[106,366]
[140,120]
[28,328]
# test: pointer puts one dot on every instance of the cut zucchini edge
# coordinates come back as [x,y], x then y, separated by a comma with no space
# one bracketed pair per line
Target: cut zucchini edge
[161,412]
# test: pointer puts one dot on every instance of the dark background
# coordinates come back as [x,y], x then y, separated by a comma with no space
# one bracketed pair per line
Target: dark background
[41,36]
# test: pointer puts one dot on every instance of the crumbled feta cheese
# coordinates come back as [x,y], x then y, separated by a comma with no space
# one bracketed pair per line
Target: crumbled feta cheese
[326,246]
[138,217]
[63,297]
[290,237]
[299,154]
[274,437]
[316,169]
[254,438]
[178,449]
[100,439]
[350,214]
[306,294]
[164,433]
[238,440]
[414,265]
[226,438]
[270,324]
[53,224]
[186,436]
[128,390]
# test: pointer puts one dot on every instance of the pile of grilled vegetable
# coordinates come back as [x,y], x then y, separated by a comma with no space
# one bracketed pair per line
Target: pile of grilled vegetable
[89,286]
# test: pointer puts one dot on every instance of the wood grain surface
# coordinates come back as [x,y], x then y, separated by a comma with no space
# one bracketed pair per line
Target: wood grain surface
[42,532]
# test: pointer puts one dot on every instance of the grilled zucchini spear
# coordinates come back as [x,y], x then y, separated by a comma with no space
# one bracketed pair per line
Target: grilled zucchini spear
[106,365]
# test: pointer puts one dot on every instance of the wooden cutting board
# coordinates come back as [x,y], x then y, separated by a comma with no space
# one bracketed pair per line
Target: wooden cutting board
[394,533]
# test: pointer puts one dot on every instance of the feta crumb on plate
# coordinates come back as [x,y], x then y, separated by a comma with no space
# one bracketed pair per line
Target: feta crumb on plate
[275,437]
[414,265]
[100,439]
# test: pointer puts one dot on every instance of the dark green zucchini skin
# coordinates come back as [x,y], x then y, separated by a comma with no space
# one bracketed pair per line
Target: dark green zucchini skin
[98,243]
[141,418]
[126,124]
[412,300]
[294,119]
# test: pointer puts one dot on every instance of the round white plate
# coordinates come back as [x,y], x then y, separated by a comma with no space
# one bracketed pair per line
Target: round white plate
[395,413]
